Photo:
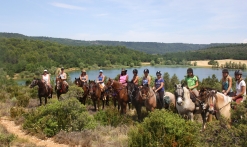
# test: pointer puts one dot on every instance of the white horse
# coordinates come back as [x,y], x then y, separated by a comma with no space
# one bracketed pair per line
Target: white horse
[185,106]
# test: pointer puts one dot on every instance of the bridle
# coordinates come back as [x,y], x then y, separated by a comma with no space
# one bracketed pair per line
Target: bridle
[179,92]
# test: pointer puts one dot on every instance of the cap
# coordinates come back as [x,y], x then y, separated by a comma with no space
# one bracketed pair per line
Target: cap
[83,70]
[124,70]
[45,70]
[100,70]
[62,68]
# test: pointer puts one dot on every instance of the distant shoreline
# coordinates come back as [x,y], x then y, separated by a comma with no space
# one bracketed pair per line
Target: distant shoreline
[204,63]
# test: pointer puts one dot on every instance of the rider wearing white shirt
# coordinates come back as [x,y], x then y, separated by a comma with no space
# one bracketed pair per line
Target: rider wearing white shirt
[240,87]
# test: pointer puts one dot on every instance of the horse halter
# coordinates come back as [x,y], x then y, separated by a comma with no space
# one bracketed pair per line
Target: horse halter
[179,93]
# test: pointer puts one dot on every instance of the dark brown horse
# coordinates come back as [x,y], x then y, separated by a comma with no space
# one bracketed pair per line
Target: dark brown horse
[85,88]
[43,91]
[96,94]
[122,93]
[133,93]
[60,87]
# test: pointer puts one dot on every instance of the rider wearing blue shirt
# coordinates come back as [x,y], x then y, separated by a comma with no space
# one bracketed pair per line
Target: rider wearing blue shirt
[159,88]
[146,79]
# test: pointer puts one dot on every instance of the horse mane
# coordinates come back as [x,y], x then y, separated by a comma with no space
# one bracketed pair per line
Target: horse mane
[186,92]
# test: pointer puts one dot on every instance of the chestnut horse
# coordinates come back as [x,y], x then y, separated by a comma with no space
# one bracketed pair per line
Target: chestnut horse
[60,87]
[122,93]
[218,104]
[85,88]
[96,94]
[148,96]
[43,90]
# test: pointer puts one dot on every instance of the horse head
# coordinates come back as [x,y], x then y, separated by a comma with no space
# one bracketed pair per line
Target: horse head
[109,83]
[145,92]
[211,100]
[59,83]
[179,93]
[77,81]
[131,89]
[92,85]
[34,83]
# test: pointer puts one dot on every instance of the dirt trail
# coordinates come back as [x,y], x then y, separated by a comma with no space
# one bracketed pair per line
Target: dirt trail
[14,129]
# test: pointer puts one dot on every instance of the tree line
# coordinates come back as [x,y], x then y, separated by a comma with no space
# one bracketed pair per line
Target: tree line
[27,55]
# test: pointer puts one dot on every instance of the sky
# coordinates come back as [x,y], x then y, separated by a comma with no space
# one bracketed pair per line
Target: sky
[167,21]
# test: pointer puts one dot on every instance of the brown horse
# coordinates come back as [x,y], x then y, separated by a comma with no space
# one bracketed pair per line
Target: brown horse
[96,94]
[122,93]
[85,88]
[43,90]
[60,87]
[149,97]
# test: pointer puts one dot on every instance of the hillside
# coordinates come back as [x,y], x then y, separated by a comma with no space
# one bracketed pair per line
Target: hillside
[237,52]
[28,55]
[147,47]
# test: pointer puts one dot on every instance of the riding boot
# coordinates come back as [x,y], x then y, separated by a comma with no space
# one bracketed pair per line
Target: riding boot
[161,103]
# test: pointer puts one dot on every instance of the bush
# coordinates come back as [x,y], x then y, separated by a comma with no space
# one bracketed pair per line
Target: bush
[5,137]
[163,128]
[112,117]
[67,115]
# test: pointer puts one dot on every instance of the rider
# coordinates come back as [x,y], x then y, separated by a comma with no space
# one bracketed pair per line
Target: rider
[135,78]
[192,83]
[83,77]
[159,87]
[100,80]
[62,75]
[123,79]
[47,81]
[226,83]
[146,79]
[240,95]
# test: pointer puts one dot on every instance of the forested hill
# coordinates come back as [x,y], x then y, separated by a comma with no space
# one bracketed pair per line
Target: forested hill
[238,51]
[147,47]
[28,55]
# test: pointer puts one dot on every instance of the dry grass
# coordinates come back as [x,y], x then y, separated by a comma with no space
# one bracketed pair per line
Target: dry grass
[204,63]
[103,136]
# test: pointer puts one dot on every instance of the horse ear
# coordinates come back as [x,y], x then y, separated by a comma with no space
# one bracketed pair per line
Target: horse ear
[183,84]
[89,81]
[175,85]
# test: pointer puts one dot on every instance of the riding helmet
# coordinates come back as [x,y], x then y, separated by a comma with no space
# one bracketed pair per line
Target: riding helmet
[189,70]
[146,70]
[225,70]
[135,71]
[238,72]
[158,73]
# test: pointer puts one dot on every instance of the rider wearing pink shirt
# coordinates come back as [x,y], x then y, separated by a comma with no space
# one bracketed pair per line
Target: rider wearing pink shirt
[123,79]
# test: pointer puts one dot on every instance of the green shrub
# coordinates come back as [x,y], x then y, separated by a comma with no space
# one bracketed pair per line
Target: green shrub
[16,112]
[163,128]
[5,137]
[67,115]
[112,117]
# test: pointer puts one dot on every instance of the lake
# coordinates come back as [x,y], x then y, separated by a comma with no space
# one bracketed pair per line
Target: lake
[179,71]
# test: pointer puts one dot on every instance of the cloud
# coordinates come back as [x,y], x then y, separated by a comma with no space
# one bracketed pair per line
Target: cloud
[245,40]
[66,6]
[102,14]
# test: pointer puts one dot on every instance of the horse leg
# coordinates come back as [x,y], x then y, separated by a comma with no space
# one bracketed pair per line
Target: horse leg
[204,120]
[94,104]
[138,111]
[123,107]
[40,101]
[190,115]
[98,103]
[45,100]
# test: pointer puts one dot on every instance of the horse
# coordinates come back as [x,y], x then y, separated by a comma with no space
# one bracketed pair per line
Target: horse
[122,93]
[218,104]
[185,106]
[96,94]
[85,88]
[60,87]
[43,90]
[133,93]
[147,95]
